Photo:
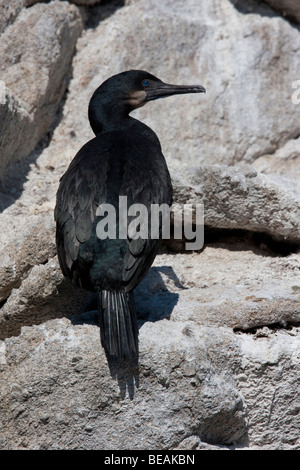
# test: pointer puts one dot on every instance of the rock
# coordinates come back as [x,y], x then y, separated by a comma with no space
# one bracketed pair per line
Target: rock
[44,58]
[43,294]
[234,284]
[187,384]
[283,166]
[289,8]
[36,243]
[8,12]
[240,198]
[15,122]
[214,44]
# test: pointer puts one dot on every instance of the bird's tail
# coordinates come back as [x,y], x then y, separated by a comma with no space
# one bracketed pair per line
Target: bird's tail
[118,323]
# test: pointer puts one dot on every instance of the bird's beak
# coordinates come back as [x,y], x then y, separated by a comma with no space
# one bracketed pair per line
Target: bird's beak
[163,90]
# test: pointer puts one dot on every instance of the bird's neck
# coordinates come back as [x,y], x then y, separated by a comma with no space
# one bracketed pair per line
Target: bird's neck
[107,116]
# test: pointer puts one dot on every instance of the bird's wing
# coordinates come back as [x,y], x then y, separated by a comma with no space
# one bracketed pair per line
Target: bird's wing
[74,215]
[139,257]
[152,187]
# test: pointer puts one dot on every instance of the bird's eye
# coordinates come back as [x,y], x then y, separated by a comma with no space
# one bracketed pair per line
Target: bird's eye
[145,83]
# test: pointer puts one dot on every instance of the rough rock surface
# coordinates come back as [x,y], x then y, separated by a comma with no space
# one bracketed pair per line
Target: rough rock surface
[8,12]
[43,59]
[210,287]
[192,382]
[246,61]
[34,248]
[283,167]
[219,357]
[15,122]
[241,198]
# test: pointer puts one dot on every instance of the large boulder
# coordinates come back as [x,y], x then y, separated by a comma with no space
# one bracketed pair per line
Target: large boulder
[36,71]
[193,385]
[8,12]
[283,167]
[240,198]
[247,62]
[15,124]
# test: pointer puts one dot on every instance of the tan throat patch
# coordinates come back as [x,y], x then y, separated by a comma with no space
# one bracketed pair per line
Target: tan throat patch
[137,99]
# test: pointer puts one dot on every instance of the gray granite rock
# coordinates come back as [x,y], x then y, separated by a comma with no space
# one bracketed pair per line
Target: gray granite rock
[240,198]
[8,12]
[190,381]
[36,52]
[247,63]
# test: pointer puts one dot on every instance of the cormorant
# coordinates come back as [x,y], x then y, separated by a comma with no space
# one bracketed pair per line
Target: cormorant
[124,159]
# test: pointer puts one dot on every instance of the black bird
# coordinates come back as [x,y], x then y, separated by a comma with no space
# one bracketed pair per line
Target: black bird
[124,159]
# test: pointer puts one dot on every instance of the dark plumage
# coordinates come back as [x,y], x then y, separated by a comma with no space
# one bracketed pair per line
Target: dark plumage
[124,159]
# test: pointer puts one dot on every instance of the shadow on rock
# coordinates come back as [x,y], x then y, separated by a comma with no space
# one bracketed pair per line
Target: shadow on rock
[253,6]
[99,13]
[153,299]
[126,372]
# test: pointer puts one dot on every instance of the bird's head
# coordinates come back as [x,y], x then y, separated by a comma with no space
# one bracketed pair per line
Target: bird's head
[136,87]
[132,89]
[144,87]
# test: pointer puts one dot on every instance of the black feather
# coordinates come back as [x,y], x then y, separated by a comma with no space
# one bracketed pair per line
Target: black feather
[118,323]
